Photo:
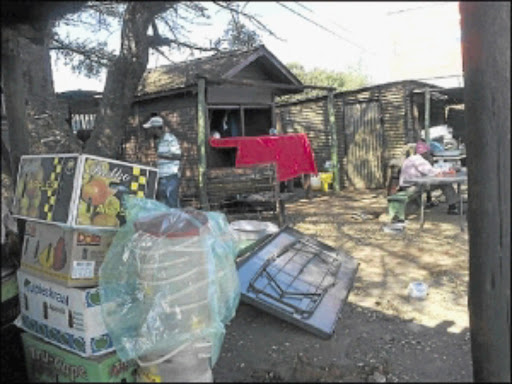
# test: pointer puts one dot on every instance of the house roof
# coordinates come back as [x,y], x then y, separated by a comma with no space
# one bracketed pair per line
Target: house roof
[225,66]
[419,85]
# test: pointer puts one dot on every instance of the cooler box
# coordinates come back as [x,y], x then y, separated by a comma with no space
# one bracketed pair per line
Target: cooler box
[71,257]
[68,317]
[79,190]
[47,363]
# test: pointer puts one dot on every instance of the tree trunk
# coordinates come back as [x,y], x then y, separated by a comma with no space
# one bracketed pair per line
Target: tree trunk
[486,63]
[123,78]
[35,124]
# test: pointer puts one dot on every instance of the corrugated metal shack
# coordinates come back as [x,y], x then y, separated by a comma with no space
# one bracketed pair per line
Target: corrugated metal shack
[373,124]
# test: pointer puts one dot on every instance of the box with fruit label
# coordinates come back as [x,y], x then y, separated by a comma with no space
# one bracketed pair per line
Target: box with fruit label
[79,190]
[46,363]
[68,317]
[66,255]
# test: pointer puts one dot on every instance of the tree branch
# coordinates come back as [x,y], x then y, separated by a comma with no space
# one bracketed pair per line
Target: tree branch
[251,18]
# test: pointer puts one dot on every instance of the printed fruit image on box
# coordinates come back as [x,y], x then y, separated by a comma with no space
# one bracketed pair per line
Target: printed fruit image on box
[79,190]
[103,184]
[44,187]
[46,363]
[68,317]
[64,254]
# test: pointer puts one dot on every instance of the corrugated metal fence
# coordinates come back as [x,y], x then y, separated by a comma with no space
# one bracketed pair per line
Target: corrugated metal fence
[364,144]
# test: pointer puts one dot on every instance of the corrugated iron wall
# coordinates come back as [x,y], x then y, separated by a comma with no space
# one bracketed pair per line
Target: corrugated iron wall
[311,118]
[378,128]
[363,140]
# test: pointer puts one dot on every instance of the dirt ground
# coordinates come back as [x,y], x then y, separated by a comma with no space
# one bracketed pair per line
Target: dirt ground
[382,335]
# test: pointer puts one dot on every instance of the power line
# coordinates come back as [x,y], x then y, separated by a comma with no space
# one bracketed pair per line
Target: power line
[331,21]
[320,26]
[416,8]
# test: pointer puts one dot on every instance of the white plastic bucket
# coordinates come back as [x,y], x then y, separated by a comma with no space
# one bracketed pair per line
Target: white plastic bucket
[190,362]
[316,183]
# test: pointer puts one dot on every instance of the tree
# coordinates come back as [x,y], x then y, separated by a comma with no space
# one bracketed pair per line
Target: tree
[35,124]
[237,35]
[27,83]
[123,77]
[486,64]
[341,81]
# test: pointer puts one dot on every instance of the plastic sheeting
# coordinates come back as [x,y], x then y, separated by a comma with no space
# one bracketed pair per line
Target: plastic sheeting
[168,279]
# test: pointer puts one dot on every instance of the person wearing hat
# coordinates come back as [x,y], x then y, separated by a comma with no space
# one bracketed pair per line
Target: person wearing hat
[418,165]
[168,154]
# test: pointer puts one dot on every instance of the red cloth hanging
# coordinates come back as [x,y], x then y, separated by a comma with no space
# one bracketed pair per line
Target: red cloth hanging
[292,153]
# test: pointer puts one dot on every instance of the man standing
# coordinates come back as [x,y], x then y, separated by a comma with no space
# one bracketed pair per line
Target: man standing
[168,154]
[417,166]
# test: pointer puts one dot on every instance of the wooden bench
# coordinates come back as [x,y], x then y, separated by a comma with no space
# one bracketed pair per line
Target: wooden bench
[398,203]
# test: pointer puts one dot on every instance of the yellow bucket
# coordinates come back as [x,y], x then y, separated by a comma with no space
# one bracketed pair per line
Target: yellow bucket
[326,179]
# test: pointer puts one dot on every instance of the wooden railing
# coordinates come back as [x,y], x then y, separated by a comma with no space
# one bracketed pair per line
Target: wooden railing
[251,192]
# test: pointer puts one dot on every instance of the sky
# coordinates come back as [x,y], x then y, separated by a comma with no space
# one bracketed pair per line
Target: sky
[387,41]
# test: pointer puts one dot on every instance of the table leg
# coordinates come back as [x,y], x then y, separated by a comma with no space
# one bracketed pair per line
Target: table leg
[422,214]
[461,217]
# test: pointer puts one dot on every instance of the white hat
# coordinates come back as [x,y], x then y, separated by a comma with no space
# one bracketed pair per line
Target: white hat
[154,122]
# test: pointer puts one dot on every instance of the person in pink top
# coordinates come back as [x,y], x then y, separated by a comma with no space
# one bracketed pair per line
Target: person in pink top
[418,165]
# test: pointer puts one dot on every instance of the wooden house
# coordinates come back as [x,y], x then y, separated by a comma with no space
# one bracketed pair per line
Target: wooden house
[372,125]
[232,93]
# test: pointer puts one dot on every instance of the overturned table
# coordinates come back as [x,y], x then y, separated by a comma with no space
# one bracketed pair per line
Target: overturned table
[425,182]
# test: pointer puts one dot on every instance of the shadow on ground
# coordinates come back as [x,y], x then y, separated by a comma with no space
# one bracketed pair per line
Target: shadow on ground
[368,346]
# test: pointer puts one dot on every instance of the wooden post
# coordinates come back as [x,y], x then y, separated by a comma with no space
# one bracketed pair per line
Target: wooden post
[242,120]
[427,115]
[201,141]
[486,63]
[334,140]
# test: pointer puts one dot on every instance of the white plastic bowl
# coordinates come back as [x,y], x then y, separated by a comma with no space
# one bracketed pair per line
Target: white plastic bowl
[418,290]
[253,229]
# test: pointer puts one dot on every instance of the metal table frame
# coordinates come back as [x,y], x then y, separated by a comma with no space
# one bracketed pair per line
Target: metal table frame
[424,184]
[456,158]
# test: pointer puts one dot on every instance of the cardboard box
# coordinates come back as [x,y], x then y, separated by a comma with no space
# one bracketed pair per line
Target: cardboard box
[79,190]
[71,257]
[68,317]
[46,363]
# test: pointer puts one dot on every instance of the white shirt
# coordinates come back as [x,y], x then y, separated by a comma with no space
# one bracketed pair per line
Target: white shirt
[168,145]
[415,166]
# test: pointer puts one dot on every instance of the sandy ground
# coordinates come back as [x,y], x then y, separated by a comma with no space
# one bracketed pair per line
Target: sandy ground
[383,334]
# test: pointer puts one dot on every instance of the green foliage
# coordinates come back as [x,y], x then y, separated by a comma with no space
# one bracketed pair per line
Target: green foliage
[341,81]
[85,56]
[237,35]
[90,57]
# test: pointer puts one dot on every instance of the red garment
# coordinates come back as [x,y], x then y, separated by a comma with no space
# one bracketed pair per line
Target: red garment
[292,153]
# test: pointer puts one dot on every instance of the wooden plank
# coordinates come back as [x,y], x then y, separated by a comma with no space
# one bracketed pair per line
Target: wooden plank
[238,94]
[334,140]
[201,141]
